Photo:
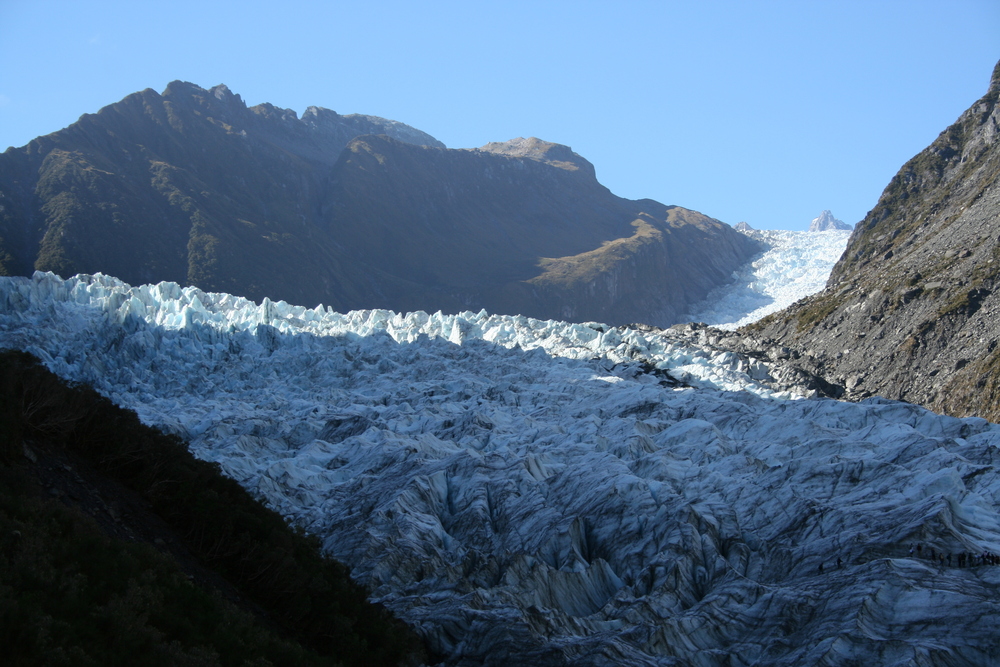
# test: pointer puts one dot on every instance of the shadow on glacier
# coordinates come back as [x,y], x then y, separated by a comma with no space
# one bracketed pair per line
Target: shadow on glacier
[728,304]
[522,505]
[579,497]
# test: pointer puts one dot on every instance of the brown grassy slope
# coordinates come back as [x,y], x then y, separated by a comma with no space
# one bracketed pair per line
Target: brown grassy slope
[523,227]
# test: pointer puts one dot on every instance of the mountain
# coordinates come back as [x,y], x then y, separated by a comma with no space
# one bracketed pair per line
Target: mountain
[826,221]
[194,187]
[532,492]
[911,310]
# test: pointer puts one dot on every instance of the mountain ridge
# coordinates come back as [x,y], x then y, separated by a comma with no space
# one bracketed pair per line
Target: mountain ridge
[195,187]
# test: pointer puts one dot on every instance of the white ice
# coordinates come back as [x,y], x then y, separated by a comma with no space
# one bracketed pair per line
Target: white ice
[796,265]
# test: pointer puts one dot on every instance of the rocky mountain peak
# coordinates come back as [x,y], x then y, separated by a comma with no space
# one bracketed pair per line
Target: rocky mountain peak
[744,227]
[217,101]
[179,88]
[328,120]
[222,93]
[826,221]
[556,155]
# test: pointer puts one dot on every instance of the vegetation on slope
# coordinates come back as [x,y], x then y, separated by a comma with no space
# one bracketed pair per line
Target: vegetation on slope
[70,594]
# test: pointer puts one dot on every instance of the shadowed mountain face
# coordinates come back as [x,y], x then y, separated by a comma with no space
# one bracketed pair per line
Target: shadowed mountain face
[194,187]
[911,311]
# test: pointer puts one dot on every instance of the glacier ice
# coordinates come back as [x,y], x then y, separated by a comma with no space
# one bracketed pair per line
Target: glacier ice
[531,492]
[795,265]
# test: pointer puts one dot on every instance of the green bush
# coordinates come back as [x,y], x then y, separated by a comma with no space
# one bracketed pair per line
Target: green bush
[70,595]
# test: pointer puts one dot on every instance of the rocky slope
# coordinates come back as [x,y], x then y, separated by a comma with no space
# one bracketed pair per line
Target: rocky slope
[911,310]
[194,187]
[521,227]
[190,186]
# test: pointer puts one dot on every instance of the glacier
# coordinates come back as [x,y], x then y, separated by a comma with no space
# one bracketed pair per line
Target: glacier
[541,493]
[795,265]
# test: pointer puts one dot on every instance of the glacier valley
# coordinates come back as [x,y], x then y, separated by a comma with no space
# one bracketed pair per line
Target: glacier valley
[530,492]
[795,265]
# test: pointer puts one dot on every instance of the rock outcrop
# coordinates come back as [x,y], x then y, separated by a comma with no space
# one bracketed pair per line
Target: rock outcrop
[911,310]
[194,187]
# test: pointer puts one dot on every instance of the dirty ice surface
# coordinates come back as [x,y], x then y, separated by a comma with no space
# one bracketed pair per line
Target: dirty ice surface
[542,493]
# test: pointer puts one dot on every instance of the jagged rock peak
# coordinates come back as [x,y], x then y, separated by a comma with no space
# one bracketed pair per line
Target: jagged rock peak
[222,92]
[177,87]
[313,118]
[548,152]
[319,117]
[744,227]
[826,221]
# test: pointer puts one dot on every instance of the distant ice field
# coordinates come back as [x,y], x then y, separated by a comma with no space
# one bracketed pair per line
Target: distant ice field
[796,265]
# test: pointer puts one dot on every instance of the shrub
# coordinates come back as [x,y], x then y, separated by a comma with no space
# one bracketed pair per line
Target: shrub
[309,597]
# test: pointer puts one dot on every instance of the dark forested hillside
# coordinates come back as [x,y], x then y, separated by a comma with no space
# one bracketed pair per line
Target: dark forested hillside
[115,543]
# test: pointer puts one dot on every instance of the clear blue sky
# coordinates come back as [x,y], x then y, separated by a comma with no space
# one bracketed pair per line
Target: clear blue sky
[767,112]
